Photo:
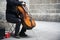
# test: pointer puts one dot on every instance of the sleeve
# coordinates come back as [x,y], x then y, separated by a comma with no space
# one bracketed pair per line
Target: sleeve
[14,2]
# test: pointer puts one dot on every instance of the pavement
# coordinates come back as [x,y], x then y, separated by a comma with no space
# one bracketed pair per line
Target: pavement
[42,31]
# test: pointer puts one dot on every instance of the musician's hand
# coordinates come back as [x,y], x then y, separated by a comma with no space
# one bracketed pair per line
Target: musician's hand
[24,4]
[19,16]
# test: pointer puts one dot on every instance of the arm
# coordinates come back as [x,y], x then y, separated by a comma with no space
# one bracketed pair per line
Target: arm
[14,2]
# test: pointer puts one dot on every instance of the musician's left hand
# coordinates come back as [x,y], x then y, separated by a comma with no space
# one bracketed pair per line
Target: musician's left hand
[23,3]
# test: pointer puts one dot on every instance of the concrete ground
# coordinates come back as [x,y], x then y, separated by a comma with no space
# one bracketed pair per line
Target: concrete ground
[42,31]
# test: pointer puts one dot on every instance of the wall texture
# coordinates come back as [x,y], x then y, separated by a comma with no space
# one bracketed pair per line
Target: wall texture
[45,10]
[2,9]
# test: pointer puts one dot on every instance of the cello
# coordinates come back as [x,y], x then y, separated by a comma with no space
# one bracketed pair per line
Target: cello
[28,21]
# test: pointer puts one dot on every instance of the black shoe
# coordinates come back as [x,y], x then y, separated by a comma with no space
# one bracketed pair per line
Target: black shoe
[16,36]
[23,35]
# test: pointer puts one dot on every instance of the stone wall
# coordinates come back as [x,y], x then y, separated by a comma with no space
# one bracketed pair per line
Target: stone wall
[45,10]
[3,22]
[2,9]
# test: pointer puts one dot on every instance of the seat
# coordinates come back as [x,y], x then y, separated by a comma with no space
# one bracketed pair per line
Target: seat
[12,28]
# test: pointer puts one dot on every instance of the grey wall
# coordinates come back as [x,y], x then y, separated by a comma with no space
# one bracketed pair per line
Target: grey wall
[2,9]
[3,22]
[45,10]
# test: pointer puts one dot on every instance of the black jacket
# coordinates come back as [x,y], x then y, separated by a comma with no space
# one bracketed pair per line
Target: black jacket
[11,8]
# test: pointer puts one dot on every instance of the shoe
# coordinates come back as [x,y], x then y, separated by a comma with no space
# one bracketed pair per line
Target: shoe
[16,36]
[23,35]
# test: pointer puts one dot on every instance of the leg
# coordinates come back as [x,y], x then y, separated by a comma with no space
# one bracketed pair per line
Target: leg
[22,33]
[23,30]
[17,27]
[18,23]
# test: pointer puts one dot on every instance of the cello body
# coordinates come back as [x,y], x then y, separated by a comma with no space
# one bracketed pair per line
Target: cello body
[28,21]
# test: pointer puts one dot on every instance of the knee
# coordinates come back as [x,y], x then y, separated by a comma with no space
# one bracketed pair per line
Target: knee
[19,21]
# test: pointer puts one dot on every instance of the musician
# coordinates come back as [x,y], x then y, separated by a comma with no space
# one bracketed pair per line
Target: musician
[11,16]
